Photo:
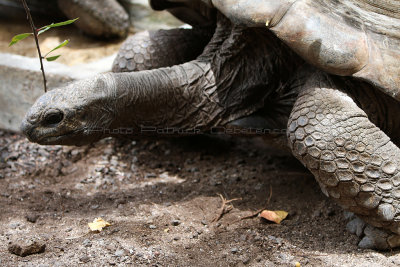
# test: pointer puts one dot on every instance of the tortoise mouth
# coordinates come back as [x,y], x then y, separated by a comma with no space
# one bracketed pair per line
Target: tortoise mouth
[49,133]
[54,139]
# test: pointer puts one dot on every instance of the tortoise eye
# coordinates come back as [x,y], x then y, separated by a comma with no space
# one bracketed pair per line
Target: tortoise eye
[53,118]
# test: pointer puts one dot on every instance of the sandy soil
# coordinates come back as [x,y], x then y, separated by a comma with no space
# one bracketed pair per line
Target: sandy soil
[161,199]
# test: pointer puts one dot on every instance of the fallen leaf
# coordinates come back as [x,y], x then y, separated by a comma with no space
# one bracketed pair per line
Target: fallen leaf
[98,224]
[274,215]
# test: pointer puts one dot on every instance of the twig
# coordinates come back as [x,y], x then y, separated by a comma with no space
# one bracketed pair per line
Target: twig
[255,214]
[76,237]
[35,34]
[224,208]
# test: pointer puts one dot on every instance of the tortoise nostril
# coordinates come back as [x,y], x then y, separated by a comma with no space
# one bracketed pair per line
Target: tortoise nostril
[53,118]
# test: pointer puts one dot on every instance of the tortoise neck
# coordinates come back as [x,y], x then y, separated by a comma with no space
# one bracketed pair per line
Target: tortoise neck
[167,99]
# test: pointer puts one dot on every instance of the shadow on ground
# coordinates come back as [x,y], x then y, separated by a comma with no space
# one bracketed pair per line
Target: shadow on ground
[161,198]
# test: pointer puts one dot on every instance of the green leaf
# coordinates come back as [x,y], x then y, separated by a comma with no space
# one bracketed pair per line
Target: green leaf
[18,38]
[43,29]
[52,58]
[58,47]
[53,25]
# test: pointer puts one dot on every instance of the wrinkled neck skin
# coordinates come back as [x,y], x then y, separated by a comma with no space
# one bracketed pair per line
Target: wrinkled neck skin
[238,70]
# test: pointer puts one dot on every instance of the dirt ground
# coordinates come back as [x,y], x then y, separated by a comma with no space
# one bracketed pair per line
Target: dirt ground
[161,198]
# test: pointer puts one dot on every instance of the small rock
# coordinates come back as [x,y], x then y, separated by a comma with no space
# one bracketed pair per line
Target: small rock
[195,235]
[356,226]
[14,225]
[152,226]
[277,240]
[246,260]
[119,253]
[94,207]
[234,250]
[150,175]
[204,222]
[26,248]
[84,259]
[194,169]
[176,238]
[175,223]
[87,243]
[395,259]
[32,217]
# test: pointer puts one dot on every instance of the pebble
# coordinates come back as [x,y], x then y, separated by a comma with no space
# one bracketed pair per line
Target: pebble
[195,235]
[32,217]
[87,243]
[277,240]
[150,175]
[152,226]
[25,248]
[194,169]
[246,260]
[204,222]
[14,225]
[175,222]
[234,250]
[119,253]
[395,259]
[84,259]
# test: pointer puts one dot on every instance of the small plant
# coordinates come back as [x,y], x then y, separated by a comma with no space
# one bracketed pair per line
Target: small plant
[35,33]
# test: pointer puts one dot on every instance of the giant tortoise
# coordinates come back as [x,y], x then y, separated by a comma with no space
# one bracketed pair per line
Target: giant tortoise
[326,72]
[99,18]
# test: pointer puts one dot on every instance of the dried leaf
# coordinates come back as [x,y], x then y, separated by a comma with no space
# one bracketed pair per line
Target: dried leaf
[98,224]
[274,215]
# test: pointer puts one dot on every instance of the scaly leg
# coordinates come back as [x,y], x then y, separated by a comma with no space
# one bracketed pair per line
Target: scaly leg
[352,159]
[163,48]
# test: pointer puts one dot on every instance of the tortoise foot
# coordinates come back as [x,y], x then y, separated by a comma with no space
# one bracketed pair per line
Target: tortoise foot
[371,237]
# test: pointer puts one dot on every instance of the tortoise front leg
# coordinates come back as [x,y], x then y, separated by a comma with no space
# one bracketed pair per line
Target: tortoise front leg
[354,161]
[163,48]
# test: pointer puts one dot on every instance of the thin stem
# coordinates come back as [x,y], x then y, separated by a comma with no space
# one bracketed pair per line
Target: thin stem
[29,17]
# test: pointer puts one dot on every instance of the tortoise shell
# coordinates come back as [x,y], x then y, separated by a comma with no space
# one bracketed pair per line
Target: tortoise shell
[359,38]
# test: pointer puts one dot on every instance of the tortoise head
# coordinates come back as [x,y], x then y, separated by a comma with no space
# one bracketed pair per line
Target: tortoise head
[69,113]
